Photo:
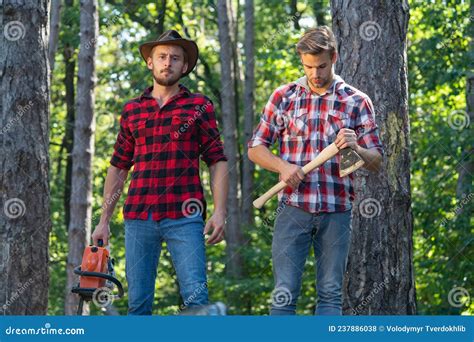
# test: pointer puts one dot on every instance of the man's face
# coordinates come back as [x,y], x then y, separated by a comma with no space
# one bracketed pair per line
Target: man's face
[318,69]
[167,64]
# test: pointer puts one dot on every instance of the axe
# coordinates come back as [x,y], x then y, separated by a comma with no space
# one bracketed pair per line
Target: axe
[350,161]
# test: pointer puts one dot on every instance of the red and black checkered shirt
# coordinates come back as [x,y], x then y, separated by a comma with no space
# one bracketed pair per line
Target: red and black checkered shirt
[306,123]
[164,145]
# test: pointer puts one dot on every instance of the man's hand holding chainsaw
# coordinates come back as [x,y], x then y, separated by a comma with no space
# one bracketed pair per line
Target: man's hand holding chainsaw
[112,190]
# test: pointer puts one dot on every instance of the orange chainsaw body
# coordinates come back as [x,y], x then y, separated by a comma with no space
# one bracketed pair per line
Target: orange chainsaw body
[95,259]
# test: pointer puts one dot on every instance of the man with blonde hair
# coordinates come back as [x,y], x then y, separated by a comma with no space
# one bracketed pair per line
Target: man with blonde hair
[306,116]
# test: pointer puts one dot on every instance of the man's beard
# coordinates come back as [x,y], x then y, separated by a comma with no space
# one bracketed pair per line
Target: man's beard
[172,79]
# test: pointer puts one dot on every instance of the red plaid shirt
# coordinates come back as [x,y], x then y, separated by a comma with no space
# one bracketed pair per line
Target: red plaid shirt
[164,145]
[305,123]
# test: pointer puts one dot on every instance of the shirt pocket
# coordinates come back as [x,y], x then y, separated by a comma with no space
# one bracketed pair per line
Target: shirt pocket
[139,132]
[334,122]
[298,124]
[182,127]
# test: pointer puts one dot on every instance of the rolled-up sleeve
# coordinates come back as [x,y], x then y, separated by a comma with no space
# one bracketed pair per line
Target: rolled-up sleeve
[122,157]
[267,130]
[365,127]
[211,148]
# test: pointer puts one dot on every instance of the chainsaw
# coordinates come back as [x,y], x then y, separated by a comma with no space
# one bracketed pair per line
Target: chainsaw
[97,277]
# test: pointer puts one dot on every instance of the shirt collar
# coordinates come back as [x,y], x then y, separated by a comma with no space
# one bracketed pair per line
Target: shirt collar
[337,81]
[147,92]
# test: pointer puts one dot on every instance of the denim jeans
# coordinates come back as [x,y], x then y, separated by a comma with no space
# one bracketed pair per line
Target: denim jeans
[295,232]
[185,241]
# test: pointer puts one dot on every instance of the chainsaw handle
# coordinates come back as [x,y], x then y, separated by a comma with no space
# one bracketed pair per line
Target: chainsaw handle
[114,280]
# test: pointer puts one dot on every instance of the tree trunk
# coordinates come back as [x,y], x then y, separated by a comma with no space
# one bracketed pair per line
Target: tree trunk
[83,150]
[295,15]
[55,19]
[466,165]
[237,77]
[249,108]
[67,143]
[24,185]
[233,232]
[234,37]
[69,76]
[161,18]
[372,47]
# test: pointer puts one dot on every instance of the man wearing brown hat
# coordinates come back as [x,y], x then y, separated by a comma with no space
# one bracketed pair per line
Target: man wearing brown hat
[162,134]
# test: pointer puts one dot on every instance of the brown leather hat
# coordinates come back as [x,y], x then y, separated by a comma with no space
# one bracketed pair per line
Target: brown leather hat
[171,37]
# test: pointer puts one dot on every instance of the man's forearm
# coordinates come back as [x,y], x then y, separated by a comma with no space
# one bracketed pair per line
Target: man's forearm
[219,185]
[112,190]
[372,158]
[262,156]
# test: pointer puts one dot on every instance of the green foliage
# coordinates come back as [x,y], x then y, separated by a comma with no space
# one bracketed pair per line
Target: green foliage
[437,63]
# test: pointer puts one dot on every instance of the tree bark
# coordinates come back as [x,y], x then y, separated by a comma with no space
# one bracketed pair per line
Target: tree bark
[83,150]
[466,165]
[233,233]
[372,48]
[295,15]
[24,185]
[249,109]
[55,19]
[68,139]
[161,18]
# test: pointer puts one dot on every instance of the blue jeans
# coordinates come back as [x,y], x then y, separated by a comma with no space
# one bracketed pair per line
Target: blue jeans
[295,231]
[185,241]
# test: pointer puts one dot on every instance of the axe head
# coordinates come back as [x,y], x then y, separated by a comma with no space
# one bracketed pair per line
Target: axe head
[350,161]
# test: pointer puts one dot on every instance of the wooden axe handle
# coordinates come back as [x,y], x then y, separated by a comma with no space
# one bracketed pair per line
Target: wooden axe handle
[324,156]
